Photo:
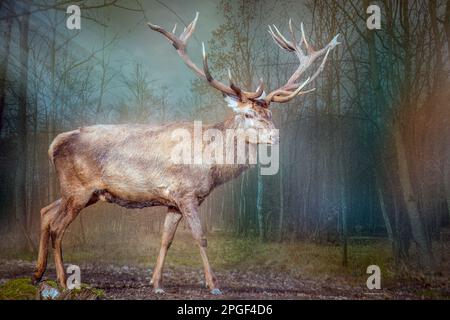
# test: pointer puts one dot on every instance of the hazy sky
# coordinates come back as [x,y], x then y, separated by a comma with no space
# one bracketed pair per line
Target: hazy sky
[138,43]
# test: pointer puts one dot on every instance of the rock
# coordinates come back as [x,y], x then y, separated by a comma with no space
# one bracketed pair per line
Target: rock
[216,292]
[48,292]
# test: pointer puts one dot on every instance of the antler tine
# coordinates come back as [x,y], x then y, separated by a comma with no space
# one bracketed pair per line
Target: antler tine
[180,46]
[281,40]
[232,90]
[322,65]
[280,99]
[307,46]
[294,40]
[277,40]
[259,91]
[318,71]
[232,85]
[170,36]
[285,93]
[189,29]
[283,96]
[249,95]
[205,64]
[290,85]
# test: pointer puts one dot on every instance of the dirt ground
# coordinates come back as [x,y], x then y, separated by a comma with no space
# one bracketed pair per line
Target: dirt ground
[129,282]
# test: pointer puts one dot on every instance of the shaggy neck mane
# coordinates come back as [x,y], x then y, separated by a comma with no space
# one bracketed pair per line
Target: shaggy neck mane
[223,173]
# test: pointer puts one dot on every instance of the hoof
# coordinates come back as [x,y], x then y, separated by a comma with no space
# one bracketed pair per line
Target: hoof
[34,280]
[159,291]
[216,292]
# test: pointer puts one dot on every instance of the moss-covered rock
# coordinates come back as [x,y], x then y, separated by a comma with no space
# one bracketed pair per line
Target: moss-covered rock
[48,290]
[84,293]
[23,289]
[18,289]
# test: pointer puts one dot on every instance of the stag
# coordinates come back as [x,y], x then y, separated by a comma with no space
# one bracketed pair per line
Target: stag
[130,165]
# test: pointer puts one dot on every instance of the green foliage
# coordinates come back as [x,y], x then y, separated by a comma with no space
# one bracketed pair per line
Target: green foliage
[18,289]
[23,289]
[84,293]
[52,283]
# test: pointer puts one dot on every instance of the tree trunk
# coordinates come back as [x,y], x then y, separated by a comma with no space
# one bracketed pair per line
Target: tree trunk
[343,200]
[447,23]
[53,107]
[241,213]
[422,242]
[344,222]
[259,204]
[21,171]
[4,69]
[384,212]
[281,214]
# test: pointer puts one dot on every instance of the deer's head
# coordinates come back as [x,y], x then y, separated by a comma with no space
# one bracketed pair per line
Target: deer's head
[252,108]
[253,115]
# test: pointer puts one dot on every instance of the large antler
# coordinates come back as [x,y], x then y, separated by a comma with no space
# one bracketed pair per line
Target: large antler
[180,45]
[292,88]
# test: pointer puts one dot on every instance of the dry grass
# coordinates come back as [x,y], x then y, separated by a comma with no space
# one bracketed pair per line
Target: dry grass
[132,238]
[226,252]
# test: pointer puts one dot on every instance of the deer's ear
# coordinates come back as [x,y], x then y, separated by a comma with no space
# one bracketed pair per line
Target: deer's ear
[232,103]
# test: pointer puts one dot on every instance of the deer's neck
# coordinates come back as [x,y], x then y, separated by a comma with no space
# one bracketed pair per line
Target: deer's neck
[226,172]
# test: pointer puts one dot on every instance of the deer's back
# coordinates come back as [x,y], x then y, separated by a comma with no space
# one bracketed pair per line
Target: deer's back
[130,163]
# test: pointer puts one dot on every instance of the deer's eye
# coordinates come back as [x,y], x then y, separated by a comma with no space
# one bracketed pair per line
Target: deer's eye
[247,116]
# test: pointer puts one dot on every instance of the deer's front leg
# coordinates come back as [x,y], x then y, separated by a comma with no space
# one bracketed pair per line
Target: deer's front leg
[173,217]
[193,220]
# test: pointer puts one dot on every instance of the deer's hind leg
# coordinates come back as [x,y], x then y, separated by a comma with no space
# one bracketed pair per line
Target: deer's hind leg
[173,217]
[68,211]
[48,214]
